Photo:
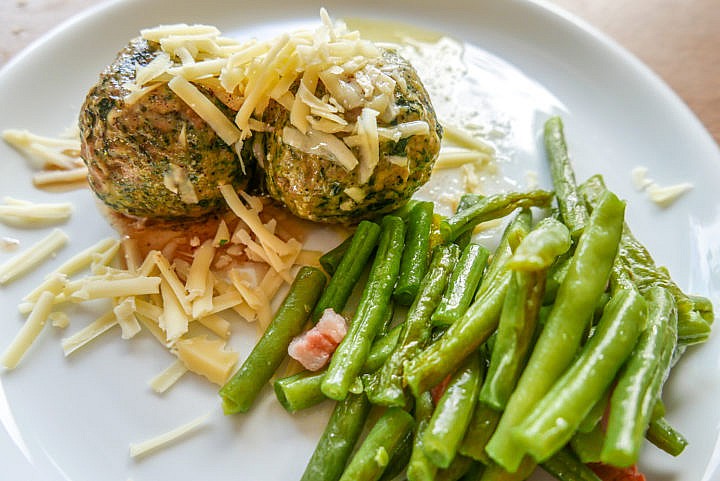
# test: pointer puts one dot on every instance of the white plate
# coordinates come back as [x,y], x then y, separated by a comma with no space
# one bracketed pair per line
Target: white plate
[72,419]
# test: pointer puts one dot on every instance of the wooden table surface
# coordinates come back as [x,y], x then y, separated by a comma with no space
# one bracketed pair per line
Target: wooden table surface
[678,39]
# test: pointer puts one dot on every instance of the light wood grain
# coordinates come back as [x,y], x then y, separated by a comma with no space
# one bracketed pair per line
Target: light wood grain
[678,39]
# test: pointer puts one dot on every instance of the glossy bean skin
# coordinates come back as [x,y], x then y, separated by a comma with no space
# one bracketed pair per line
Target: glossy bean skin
[489,208]
[516,330]
[337,442]
[241,390]
[349,269]
[572,207]
[582,287]
[640,383]
[346,364]
[555,418]
[452,414]
[383,440]
[416,256]
[385,386]
[462,285]
[695,313]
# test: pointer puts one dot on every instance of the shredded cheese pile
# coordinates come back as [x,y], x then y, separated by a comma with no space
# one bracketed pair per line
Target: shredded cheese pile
[328,79]
[182,303]
[57,158]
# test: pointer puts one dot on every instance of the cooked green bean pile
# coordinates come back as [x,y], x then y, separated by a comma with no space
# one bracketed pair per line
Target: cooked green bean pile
[465,364]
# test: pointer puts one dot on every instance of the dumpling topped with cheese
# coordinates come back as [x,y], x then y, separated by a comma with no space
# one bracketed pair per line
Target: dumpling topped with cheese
[149,153]
[366,139]
[339,128]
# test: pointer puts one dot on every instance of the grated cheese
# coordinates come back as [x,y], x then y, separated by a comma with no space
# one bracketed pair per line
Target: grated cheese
[450,159]
[125,314]
[369,146]
[465,139]
[176,180]
[222,235]
[84,258]
[155,34]
[174,321]
[168,377]
[59,319]
[171,277]
[52,177]
[665,196]
[196,283]
[207,110]
[105,288]
[216,324]
[55,282]
[28,213]
[207,357]
[662,196]
[88,333]
[34,255]
[145,447]
[256,71]
[322,144]
[203,304]
[45,151]
[29,331]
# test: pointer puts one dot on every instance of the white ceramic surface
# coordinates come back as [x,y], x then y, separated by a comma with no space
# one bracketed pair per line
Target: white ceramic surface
[72,419]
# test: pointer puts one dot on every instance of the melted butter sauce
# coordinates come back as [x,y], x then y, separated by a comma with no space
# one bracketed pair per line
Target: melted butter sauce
[478,92]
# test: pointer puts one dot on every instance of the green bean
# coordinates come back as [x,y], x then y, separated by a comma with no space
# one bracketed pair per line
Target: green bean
[564,466]
[459,466]
[352,352]
[495,472]
[665,437]
[415,257]
[555,276]
[588,446]
[489,208]
[381,349]
[551,424]
[639,384]
[330,260]
[460,339]
[385,386]
[462,286]
[338,440]
[241,390]
[513,234]
[474,473]
[420,468]
[695,317]
[302,390]
[448,424]
[478,322]
[516,328]
[382,441]
[596,413]
[349,269]
[466,201]
[572,208]
[584,284]
[481,428]
[539,249]
[404,211]
[400,458]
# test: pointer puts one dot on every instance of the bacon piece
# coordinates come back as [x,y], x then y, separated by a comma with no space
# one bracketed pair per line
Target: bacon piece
[612,473]
[313,348]
[439,389]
